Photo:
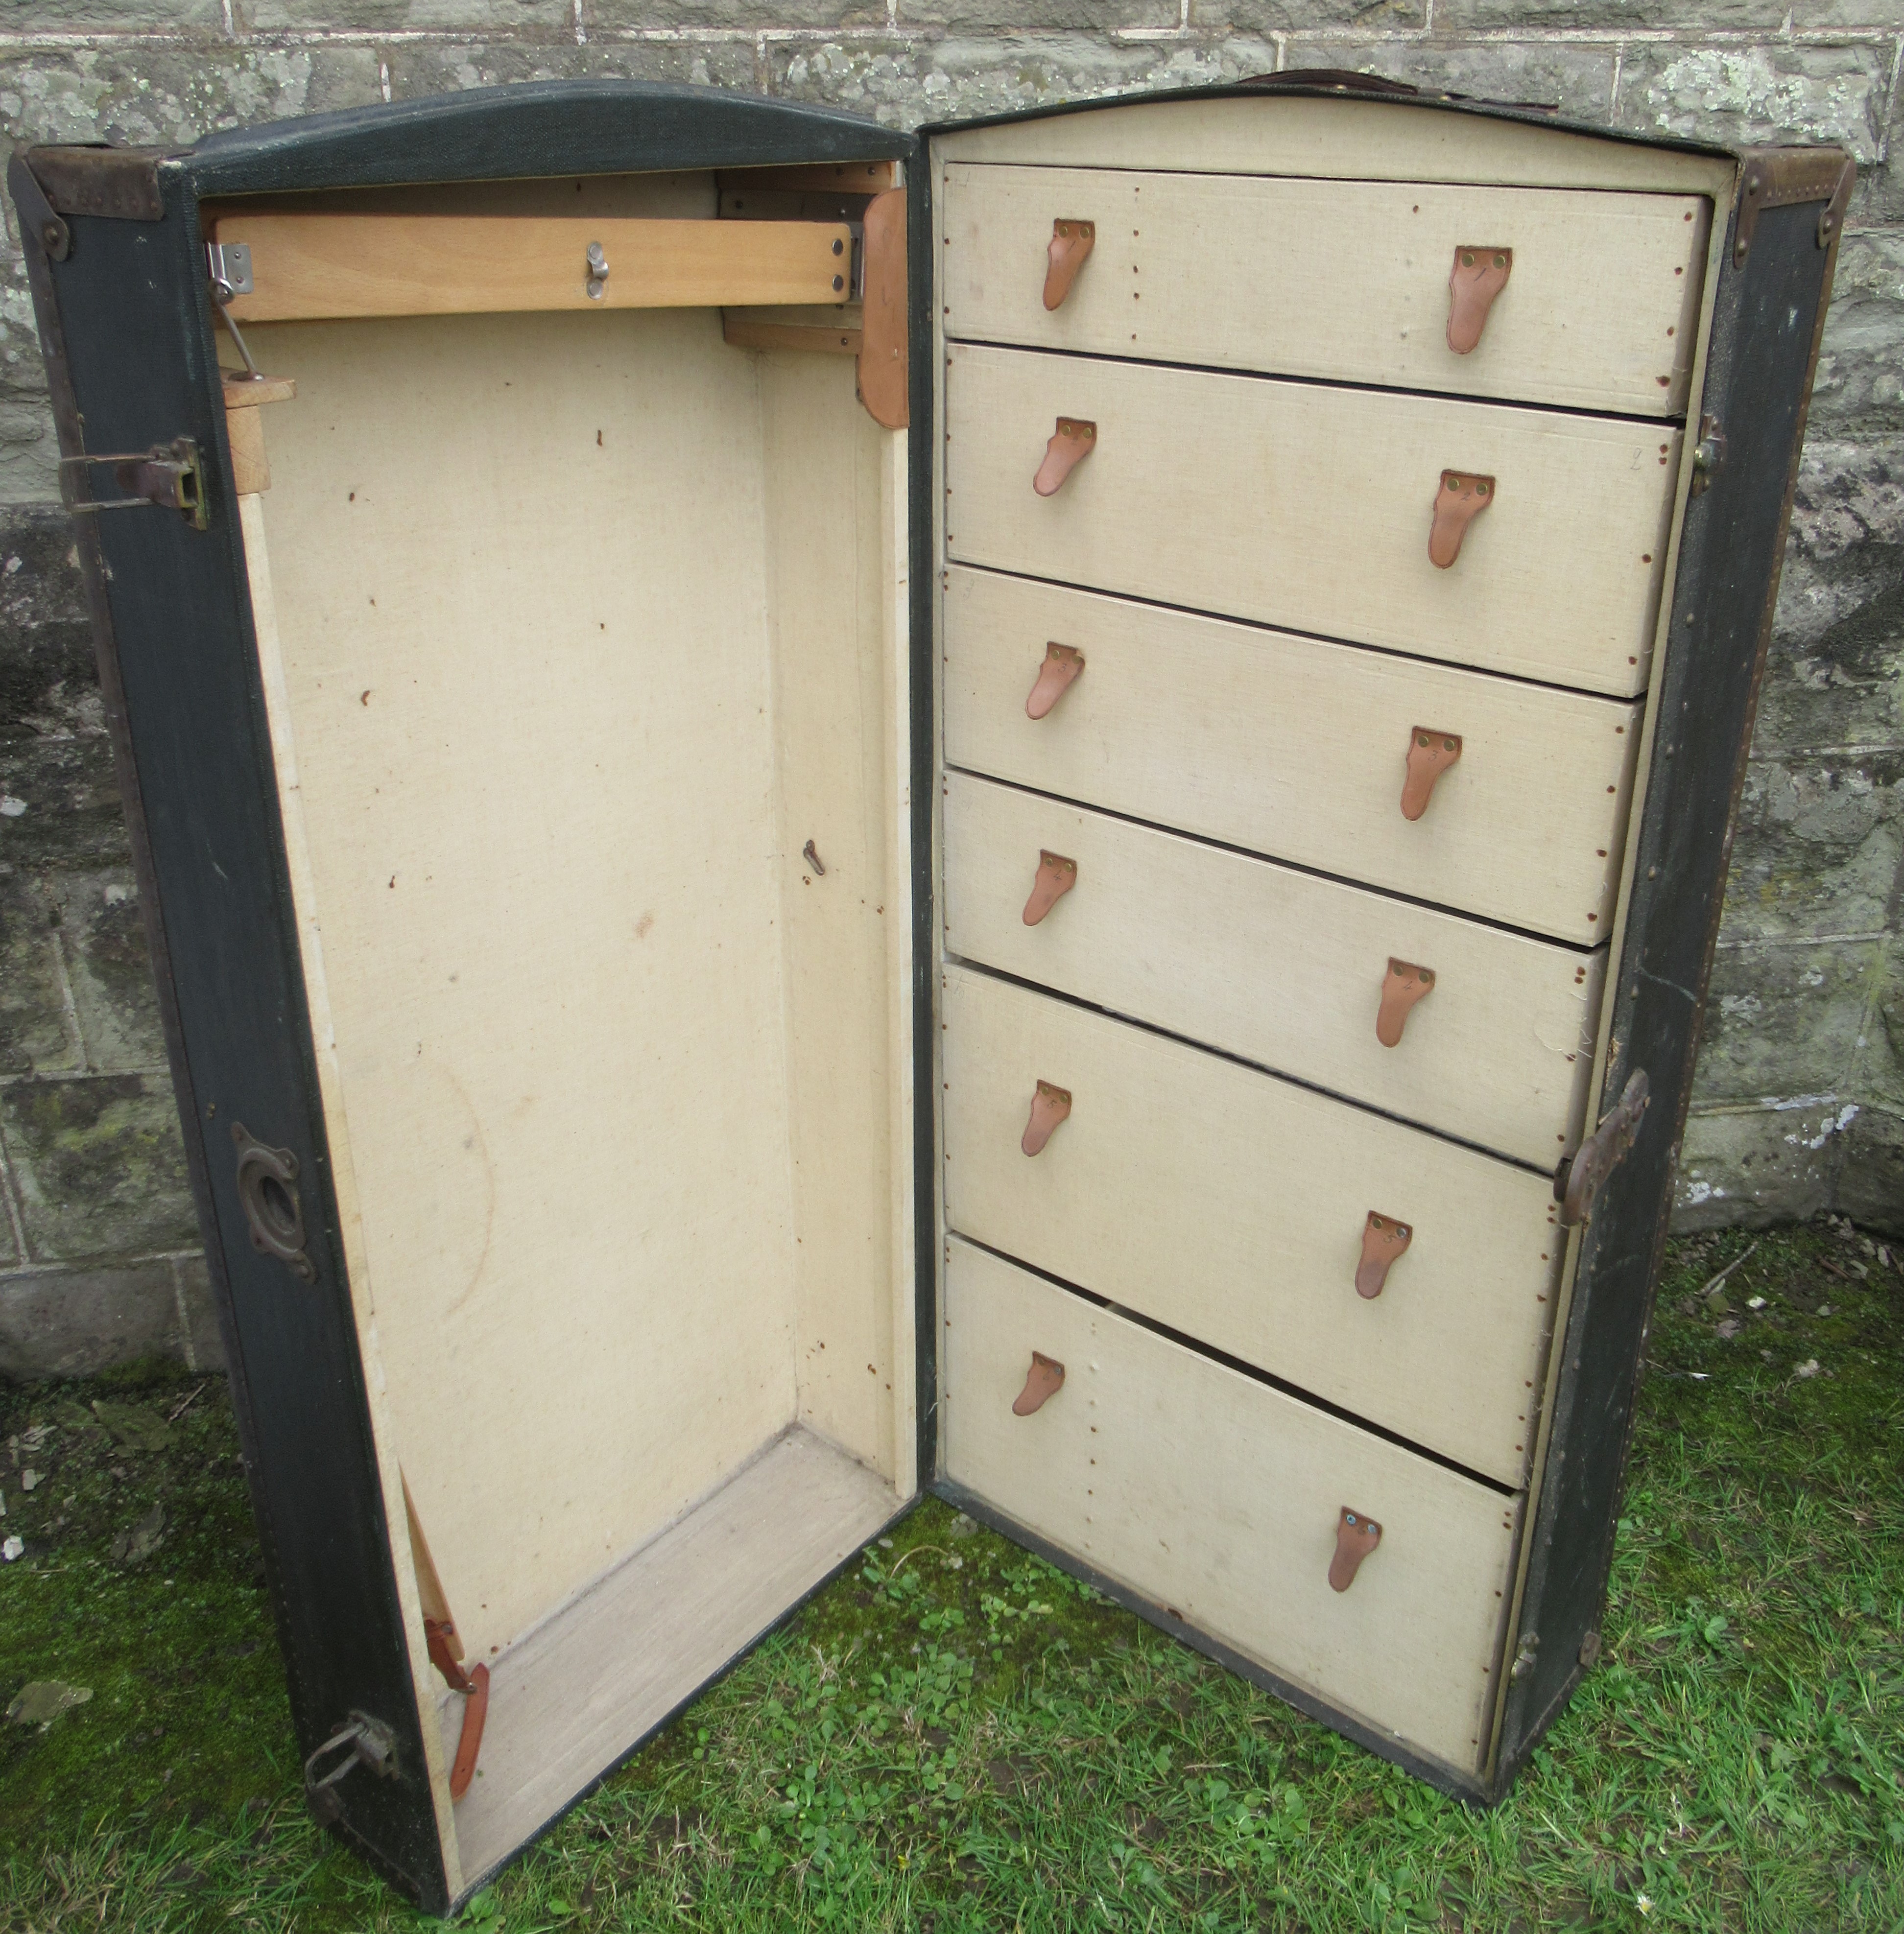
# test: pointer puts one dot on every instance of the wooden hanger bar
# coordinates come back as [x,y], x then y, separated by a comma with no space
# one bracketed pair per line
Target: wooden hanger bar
[307,267]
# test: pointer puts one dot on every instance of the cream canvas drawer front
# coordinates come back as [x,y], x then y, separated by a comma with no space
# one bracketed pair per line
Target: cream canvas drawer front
[1297,748]
[1347,281]
[1212,1494]
[1232,1207]
[1280,967]
[1311,508]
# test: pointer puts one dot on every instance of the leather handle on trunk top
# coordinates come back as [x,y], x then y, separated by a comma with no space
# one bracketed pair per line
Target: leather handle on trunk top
[1072,442]
[1384,1241]
[1430,753]
[1071,242]
[1461,499]
[1478,276]
[1403,985]
[1062,664]
[1356,1537]
[1049,1106]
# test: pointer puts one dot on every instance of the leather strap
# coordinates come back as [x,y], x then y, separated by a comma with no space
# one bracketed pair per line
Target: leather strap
[469,1742]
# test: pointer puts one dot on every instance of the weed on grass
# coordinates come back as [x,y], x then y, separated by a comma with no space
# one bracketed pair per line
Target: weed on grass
[956,1736]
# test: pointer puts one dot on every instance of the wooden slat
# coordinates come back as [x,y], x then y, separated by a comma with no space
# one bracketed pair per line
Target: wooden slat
[1281,967]
[748,328]
[1345,281]
[578,1692]
[1294,748]
[1347,139]
[1217,1497]
[307,267]
[1231,1206]
[1308,506]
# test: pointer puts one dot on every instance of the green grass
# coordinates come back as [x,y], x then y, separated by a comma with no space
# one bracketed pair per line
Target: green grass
[956,1736]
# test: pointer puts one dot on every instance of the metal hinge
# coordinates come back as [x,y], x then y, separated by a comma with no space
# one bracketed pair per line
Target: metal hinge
[1577,1180]
[1524,1658]
[229,265]
[1780,177]
[169,475]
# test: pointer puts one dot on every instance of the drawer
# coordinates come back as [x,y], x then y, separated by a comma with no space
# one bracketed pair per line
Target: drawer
[1232,1206]
[1297,749]
[1347,281]
[1282,968]
[1311,507]
[1219,1498]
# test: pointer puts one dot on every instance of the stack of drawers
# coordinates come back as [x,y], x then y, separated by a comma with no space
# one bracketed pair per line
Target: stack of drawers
[1279,931]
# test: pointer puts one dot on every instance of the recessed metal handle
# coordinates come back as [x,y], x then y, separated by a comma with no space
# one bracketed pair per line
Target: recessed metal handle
[1072,442]
[1043,1381]
[1356,1537]
[1461,499]
[1430,753]
[1479,275]
[1049,1106]
[1062,664]
[1071,242]
[1384,1241]
[1403,985]
[267,1188]
[1056,876]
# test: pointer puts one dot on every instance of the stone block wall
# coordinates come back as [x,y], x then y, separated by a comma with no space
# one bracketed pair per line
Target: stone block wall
[1800,1098]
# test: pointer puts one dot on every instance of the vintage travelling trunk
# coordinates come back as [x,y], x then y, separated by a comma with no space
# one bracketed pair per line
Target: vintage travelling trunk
[1036,814]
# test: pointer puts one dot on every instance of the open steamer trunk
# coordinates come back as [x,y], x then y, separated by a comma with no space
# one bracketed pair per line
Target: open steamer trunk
[585,790]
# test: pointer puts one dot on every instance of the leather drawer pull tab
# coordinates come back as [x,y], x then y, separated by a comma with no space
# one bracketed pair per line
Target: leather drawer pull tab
[1459,501]
[1479,275]
[1071,242]
[1044,1381]
[1063,663]
[1056,876]
[1049,1106]
[1384,1241]
[1072,442]
[1402,987]
[1356,1537]
[1430,753]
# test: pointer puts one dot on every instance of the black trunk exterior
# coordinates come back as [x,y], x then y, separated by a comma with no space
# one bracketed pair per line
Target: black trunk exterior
[1767,318]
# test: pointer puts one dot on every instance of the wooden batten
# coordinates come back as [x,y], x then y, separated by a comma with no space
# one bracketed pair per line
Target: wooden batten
[791,328]
[244,427]
[310,267]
